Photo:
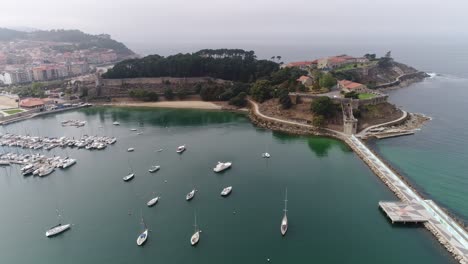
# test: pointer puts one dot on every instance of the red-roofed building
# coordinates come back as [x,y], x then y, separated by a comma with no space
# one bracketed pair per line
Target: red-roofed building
[349,86]
[32,103]
[338,61]
[305,80]
[299,64]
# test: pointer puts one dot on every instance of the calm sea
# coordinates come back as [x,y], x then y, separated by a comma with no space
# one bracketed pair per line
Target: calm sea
[332,208]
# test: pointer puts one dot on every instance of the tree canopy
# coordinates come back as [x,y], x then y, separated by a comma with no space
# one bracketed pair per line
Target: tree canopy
[327,80]
[323,105]
[261,90]
[228,64]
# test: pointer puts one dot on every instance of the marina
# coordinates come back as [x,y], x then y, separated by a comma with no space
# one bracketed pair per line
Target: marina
[46,143]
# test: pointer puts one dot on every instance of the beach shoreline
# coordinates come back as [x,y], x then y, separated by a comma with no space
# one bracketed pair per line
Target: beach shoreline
[169,104]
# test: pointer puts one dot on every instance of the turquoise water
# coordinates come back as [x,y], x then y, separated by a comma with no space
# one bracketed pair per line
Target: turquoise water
[333,196]
[435,158]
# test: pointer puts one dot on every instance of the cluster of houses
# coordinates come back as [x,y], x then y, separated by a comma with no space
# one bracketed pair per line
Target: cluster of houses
[327,64]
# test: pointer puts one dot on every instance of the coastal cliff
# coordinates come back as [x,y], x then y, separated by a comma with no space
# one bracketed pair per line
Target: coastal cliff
[378,76]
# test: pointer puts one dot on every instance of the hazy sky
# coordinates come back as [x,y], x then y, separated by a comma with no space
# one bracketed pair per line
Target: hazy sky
[192,21]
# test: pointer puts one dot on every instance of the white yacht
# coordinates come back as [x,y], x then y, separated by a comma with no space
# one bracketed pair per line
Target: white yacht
[153,201]
[129,177]
[130,149]
[266,155]
[116,123]
[196,236]
[57,230]
[190,195]
[284,221]
[180,149]
[68,163]
[226,191]
[222,166]
[154,169]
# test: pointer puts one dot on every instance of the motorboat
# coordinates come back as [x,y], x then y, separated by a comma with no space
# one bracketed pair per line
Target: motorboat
[129,177]
[284,221]
[130,149]
[266,155]
[226,191]
[154,169]
[68,163]
[153,201]
[116,123]
[196,236]
[142,237]
[190,195]
[46,171]
[222,166]
[57,230]
[133,129]
[181,149]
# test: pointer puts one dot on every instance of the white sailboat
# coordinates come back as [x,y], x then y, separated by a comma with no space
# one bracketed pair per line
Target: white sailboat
[226,191]
[190,195]
[154,168]
[180,149]
[284,221]
[131,175]
[60,228]
[196,236]
[153,201]
[144,235]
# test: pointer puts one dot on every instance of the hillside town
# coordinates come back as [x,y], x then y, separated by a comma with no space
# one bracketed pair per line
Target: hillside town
[25,61]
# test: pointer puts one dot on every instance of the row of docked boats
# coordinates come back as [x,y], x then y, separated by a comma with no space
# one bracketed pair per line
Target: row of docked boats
[36,164]
[75,123]
[48,143]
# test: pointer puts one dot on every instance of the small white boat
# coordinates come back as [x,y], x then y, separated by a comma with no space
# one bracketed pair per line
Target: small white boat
[116,123]
[154,169]
[57,230]
[153,201]
[142,237]
[265,155]
[196,236]
[181,149]
[284,221]
[139,133]
[46,171]
[130,149]
[129,177]
[222,166]
[133,129]
[68,163]
[159,150]
[226,191]
[190,195]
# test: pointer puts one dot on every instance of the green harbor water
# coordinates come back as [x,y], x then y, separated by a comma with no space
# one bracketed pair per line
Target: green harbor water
[332,209]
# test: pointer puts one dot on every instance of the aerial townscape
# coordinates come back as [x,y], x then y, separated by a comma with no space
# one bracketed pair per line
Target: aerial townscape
[162,132]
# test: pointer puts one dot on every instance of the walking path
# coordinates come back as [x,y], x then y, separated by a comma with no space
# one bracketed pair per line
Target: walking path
[445,228]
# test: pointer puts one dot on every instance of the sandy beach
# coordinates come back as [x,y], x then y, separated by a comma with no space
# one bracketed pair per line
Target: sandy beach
[171,104]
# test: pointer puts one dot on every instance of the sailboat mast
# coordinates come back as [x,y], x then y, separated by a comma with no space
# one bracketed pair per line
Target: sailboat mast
[286,201]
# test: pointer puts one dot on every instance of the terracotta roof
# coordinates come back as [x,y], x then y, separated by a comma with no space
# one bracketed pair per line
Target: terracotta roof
[349,84]
[299,63]
[303,78]
[31,102]
[336,59]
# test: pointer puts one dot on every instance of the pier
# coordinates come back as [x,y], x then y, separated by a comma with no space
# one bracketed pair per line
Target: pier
[413,207]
